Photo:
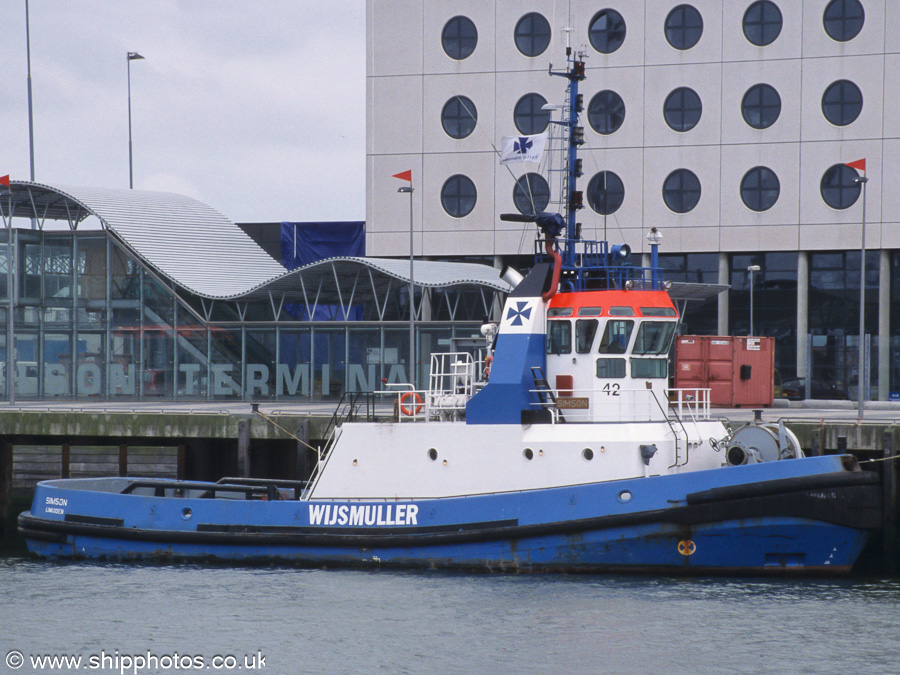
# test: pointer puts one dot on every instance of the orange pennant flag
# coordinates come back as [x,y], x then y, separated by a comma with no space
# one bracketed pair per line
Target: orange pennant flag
[404,175]
[4,180]
[859,165]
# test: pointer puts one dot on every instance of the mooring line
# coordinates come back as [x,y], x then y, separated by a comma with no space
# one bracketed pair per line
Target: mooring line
[880,459]
[281,428]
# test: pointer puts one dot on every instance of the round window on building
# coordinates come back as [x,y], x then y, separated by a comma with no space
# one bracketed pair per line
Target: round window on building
[529,116]
[606,112]
[843,19]
[839,186]
[531,194]
[459,117]
[458,196]
[761,106]
[760,188]
[681,190]
[842,102]
[607,31]
[605,193]
[459,37]
[762,23]
[682,109]
[532,34]
[684,26]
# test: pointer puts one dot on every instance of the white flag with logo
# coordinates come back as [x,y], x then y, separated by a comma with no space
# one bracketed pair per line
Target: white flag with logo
[522,148]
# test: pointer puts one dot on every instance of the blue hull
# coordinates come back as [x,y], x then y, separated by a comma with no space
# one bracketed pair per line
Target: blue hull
[797,516]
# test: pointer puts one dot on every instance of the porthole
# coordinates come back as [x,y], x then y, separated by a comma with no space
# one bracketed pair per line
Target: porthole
[459,38]
[532,34]
[432,454]
[840,186]
[607,31]
[624,496]
[760,188]
[186,513]
[458,196]
[842,103]
[529,116]
[843,19]
[682,109]
[761,106]
[681,190]
[684,26]
[606,112]
[531,194]
[762,23]
[588,454]
[605,193]
[459,117]
[528,453]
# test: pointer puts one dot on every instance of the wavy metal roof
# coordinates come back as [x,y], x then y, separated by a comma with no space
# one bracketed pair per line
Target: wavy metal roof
[199,249]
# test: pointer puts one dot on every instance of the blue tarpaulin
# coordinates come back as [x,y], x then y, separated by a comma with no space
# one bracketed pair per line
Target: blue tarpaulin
[305,243]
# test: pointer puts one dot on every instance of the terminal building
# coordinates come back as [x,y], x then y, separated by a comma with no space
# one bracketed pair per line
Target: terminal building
[132,295]
[727,125]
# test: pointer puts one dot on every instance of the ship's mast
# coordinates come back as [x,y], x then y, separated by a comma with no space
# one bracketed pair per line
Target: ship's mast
[574,198]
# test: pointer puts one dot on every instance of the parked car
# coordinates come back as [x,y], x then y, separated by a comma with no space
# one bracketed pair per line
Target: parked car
[778,389]
[795,390]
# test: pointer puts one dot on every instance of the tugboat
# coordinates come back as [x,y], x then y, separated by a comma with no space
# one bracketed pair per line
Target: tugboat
[559,447]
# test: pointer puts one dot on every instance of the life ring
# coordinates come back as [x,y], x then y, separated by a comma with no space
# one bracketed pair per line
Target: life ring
[417,408]
[488,360]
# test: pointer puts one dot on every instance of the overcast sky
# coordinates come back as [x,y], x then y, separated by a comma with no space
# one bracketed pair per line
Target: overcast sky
[255,108]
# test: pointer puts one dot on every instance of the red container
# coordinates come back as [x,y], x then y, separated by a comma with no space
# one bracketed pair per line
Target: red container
[738,371]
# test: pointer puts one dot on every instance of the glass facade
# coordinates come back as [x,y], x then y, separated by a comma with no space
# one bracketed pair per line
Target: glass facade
[774,303]
[698,317]
[91,322]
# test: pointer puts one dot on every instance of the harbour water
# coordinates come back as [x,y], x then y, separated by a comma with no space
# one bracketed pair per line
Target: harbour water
[289,620]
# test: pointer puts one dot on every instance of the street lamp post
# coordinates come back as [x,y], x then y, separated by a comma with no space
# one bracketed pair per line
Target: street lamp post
[132,56]
[30,113]
[412,297]
[861,378]
[751,269]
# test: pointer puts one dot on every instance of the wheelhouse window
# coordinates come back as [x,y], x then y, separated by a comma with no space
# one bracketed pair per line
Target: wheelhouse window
[585,331]
[615,336]
[610,367]
[649,368]
[559,337]
[654,337]
[657,311]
